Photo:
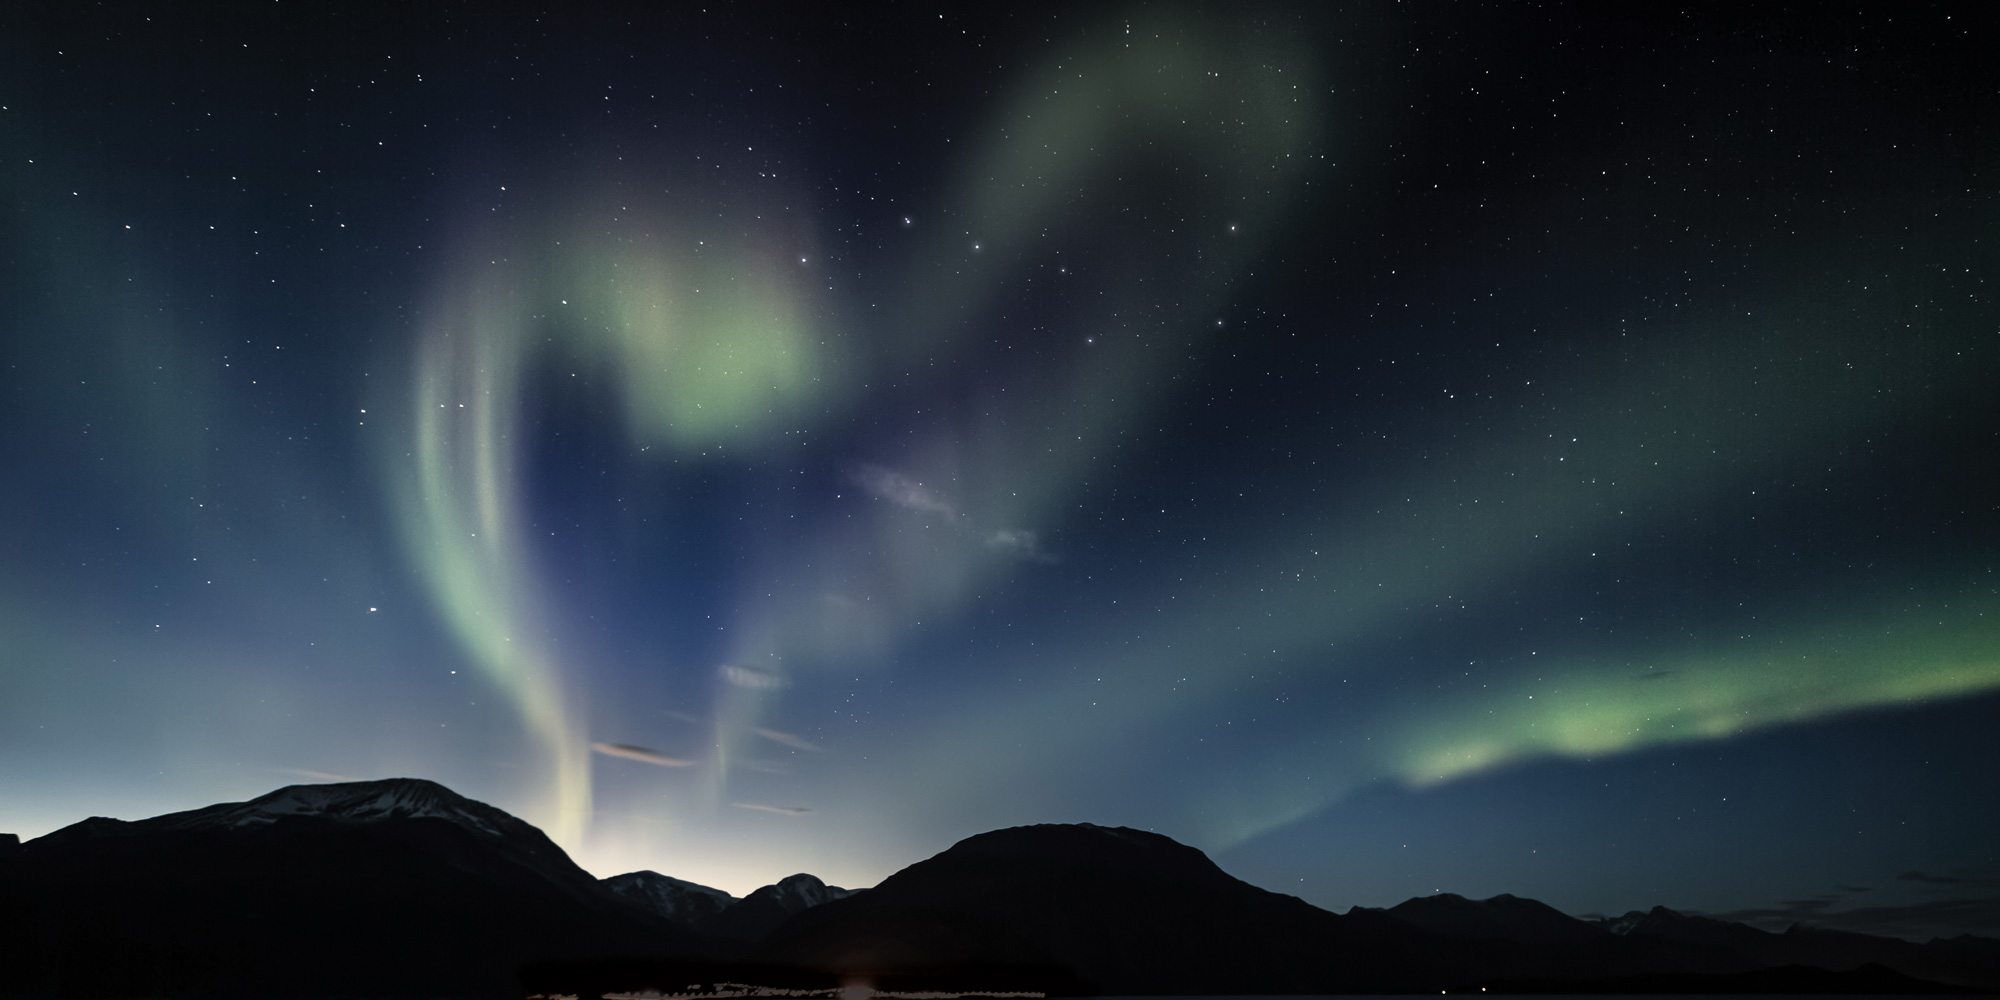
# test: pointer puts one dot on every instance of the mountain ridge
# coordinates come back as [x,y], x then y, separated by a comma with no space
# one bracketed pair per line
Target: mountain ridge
[418,891]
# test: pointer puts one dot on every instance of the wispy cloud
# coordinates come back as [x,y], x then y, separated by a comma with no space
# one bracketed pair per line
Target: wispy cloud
[792,740]
[783,810]
[1971,908]
[1019,543]
[1929,879]
[751,677]
[900,490]
[318,775]
[1918,921]
[641,754]
[910,493]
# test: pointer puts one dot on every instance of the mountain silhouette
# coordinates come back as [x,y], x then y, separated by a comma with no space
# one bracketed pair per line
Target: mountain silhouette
[1130,911]
[382,888]
[729,925]
[1503,917]
[403,888]
[691,906]
[756,915]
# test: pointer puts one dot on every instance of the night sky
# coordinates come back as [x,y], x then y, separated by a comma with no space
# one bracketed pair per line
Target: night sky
[1394,448]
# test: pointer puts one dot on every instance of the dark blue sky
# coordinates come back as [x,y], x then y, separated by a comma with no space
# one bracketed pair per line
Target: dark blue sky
[1395,449]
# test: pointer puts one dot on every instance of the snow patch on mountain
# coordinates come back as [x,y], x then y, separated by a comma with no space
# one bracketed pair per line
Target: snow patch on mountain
[801,892]
[355,802]
[675,899]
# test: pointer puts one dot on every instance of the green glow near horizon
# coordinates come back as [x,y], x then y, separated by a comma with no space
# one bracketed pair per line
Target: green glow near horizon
[1579,708]
[1638,446]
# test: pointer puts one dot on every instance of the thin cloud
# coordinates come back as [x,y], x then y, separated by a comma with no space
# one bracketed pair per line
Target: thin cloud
[641,754]
[1019,543]
[1919,921]
[751,677]
[911,494]
[318,775]
[792,740]
[900,490]
[1785,914]
[1929,879]
[782,810]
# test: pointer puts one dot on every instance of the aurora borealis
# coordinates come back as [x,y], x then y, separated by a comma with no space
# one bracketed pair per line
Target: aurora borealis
[1392,447]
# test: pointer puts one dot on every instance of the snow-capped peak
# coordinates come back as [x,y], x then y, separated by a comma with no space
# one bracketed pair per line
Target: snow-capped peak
[356,802]
[669,897]
[802,892]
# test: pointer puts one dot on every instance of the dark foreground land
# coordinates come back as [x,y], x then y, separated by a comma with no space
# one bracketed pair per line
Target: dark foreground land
[402,888]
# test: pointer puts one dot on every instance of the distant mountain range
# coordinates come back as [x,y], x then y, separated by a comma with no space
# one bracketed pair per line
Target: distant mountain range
[731,926]
[402,888]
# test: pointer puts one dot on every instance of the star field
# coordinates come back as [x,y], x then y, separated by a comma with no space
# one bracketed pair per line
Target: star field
[1391,449]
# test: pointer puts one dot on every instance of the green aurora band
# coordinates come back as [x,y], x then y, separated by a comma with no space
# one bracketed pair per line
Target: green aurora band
[708,355]
[720,344]
[1552,488]
[704,325]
